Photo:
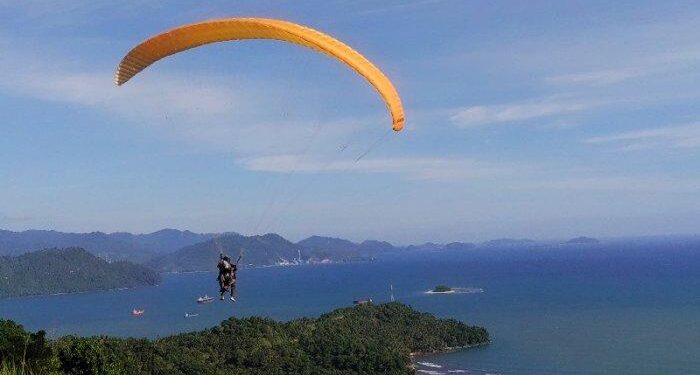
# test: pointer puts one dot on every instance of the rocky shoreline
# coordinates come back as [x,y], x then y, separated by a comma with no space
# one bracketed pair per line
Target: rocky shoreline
[417,355]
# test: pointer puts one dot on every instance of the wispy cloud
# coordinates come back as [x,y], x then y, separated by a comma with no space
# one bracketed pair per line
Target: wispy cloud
[607,183]
[418,168]
[63,80]
[52,13]
[638,69]
[400,6]
[588,71]
[599,77]
[214,117]
[521,111]
[222,117]
[683,136]
[15,218]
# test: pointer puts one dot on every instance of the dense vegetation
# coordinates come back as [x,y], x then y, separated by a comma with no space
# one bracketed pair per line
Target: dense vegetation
[367,339]
[68,270]
[24,351]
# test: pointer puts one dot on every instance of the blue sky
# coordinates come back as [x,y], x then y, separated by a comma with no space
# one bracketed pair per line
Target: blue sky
[524,119]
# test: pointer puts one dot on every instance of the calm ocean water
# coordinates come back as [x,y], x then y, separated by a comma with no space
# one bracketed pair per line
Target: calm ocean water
[591,311]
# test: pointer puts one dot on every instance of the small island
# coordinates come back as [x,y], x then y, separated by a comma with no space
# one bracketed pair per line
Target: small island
[442,289]
[364,339]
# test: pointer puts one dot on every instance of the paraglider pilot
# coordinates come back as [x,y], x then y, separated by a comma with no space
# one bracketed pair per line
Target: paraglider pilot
[227,276]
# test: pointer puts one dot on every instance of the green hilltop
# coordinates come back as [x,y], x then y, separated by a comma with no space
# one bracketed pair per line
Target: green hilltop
[367,339]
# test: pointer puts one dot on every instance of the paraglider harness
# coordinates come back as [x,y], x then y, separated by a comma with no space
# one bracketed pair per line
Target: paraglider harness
[227,273]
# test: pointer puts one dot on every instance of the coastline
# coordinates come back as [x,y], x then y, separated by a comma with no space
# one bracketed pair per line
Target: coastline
[167,273]
[415,356]
[449,349]
[418,355]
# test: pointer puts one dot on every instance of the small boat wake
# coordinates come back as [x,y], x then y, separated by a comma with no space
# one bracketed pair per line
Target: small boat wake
[205,299]
[137,312]
[429,364]
[430,368]
[466,290]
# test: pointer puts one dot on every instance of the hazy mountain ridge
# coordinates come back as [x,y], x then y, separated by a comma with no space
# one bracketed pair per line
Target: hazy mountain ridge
[171,250]
[319,248]
[113,246]
[273,249]
[66,271]
[501,242]
[165,240]
[582,240]
[428,246]
[161,250]
[268,249]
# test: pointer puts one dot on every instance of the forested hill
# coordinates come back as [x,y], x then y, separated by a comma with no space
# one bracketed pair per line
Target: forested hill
[267,249]
[66,271]
[366,339]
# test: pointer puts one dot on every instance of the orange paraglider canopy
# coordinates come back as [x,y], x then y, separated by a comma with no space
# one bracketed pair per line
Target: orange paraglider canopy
[229,29]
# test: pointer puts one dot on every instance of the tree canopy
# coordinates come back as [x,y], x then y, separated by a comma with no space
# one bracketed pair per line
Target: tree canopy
[366,339]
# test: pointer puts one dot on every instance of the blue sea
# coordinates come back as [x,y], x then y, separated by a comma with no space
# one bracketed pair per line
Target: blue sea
[599,310]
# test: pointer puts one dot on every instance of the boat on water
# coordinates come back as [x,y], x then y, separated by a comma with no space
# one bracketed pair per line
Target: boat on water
[137,312]
[188,315]
[362,301]
[205,299]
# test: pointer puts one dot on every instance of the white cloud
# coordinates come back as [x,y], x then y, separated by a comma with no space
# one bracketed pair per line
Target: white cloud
[213,112]
[521,111]
[683,136]
[60,80]
[614,68]
[216,117]
[418,168]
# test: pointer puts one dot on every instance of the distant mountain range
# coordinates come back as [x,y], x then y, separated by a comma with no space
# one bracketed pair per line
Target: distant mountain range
[319,248]
[430,246]
[113,246]
[66,271]
[102,264]
[171,250]
[509,242]
[582,240]
[268,249]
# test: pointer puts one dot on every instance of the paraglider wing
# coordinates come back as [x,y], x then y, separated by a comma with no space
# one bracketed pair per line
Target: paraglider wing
[189,36]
